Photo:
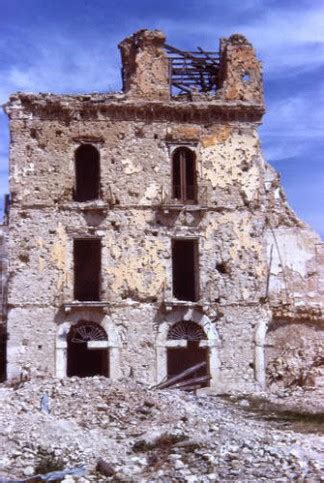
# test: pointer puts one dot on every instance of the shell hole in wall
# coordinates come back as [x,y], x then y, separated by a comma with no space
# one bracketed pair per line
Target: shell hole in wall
[246,77]
[222,268]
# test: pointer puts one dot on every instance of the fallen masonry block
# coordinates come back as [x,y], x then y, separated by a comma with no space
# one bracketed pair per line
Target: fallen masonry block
[105,468]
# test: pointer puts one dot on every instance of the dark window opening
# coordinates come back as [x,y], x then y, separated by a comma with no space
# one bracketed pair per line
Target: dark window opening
[87,268]
[184,179]
[185,269]
[181,358]
[81,360]
[87,173]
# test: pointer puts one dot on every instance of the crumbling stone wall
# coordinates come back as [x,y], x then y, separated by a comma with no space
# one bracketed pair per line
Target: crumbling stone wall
[295,260]
[294,340]
[136,134]
[241,73]
[295,354]
[145,69]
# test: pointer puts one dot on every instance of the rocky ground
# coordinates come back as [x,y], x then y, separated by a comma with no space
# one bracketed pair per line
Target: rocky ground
[149,435]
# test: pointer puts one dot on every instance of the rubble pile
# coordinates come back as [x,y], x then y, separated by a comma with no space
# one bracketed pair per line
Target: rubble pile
[124,431]
[298,366]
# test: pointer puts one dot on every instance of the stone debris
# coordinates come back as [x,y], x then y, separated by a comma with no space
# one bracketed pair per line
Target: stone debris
[127,432]
[298,366]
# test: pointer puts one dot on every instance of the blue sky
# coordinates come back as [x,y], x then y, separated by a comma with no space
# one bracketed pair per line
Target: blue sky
[71,46]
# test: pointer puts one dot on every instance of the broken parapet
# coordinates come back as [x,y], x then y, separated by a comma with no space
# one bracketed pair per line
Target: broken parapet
[145,71]
[233,74]
[240,71]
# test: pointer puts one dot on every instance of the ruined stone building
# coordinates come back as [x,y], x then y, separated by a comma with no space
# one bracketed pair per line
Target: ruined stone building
[146,232]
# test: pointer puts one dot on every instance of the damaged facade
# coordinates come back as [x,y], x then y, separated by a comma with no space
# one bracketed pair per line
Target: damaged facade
[146,232]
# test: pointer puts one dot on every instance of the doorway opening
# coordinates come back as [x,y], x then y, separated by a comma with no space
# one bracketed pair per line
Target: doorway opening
[181,358]
[83,361]
[185,280]
[87,268]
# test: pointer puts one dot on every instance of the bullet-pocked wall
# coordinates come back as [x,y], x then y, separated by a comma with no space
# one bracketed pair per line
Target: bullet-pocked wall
[128,176]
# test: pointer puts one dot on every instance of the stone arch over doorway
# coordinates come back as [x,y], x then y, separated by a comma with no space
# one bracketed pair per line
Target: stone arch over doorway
[110,344]
[210,342]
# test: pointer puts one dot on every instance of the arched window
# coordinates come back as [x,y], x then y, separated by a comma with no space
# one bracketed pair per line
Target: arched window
[188,353]
[87,352]
[87,173]
[184,177]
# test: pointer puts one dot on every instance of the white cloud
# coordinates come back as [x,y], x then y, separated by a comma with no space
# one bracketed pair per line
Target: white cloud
[61,64]
[281,150]
[293,128]
[297,116]
[286,39]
